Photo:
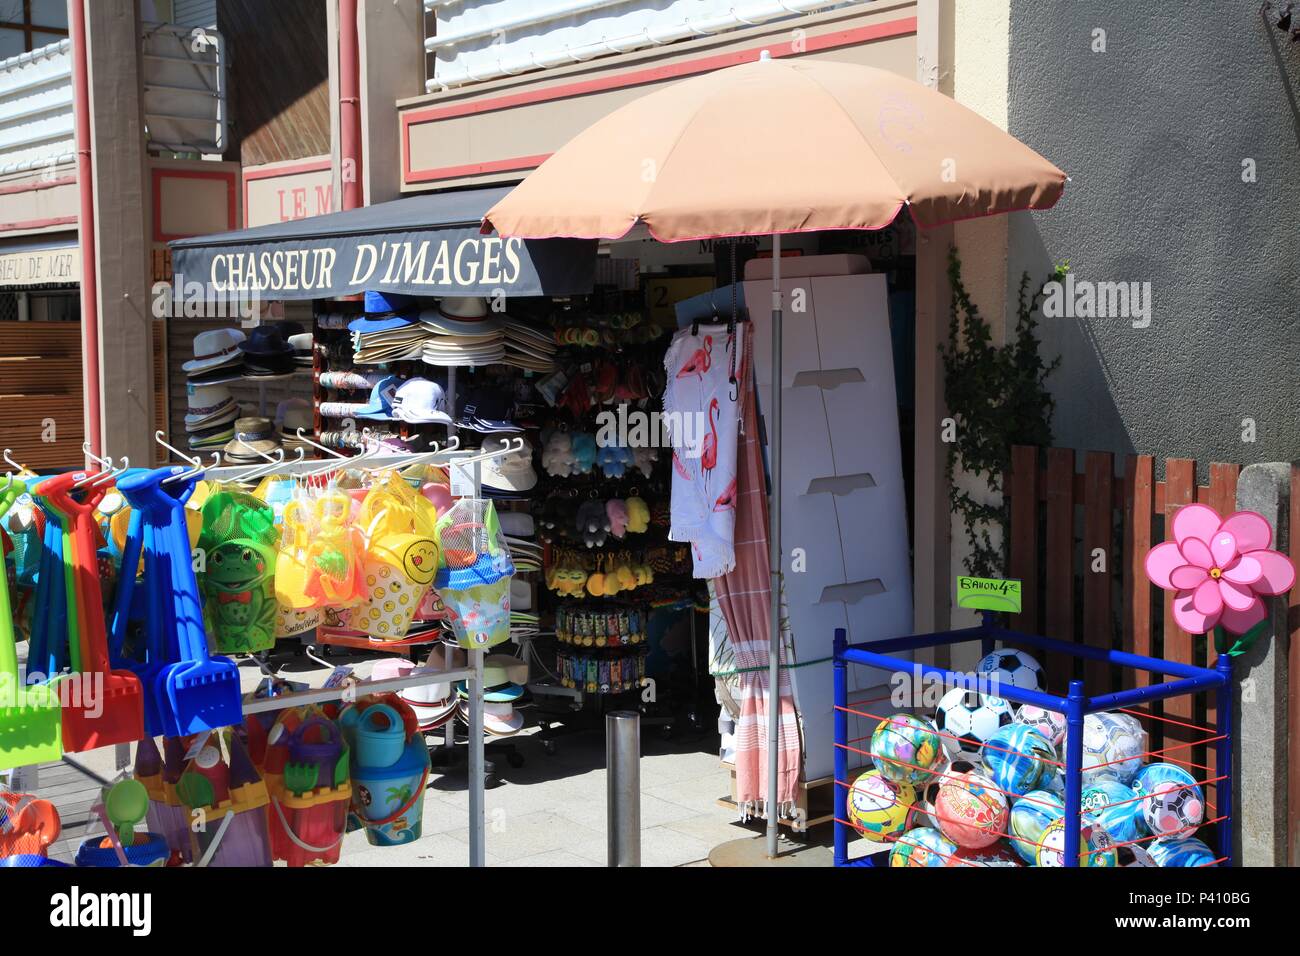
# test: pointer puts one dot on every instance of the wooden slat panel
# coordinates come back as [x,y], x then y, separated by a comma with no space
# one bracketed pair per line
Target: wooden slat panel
[1024,534]
[1137,542]
[280,77]
[40,383]
[1180,478]
[1098,627]
[1221,495]
[1293,621]
[1059,612]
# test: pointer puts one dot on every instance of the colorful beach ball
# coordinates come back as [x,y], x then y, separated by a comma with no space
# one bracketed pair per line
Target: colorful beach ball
[1114,745]
[970,810]
[1116,807]
[1054,783]
[966,719]
[1096,848]
[1182,851]
[877,807]
[1029,817]
[1173,803]
[1049,723]
[906,749]
[999,854]
[921,846]
[1017,757]
[1011,668]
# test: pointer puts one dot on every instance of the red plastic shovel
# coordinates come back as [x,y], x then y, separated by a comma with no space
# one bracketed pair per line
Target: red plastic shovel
[109,706]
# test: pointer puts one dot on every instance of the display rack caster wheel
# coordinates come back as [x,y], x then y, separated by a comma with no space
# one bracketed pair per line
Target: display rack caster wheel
[490,781]
[515,760]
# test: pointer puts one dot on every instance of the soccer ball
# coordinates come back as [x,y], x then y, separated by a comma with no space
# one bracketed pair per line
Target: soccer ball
[922,846]
[966,719]
[1047,722]
[906,749]
[1173,803]
[1114,745]
[1030,816]
[1011,667]
[1115,807]
[877,808]
[971,811]
[1017,757]
[999,854]
[1096,848]
[1182,851]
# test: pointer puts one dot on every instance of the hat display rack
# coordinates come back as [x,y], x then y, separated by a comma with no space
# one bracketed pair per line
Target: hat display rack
[244,385]
[602,514]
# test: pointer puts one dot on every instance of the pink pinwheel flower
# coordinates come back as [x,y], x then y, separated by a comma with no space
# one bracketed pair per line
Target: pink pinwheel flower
[1219,569]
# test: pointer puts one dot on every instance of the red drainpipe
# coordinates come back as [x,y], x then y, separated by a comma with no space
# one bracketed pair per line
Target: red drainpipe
[350,105]
[86,224]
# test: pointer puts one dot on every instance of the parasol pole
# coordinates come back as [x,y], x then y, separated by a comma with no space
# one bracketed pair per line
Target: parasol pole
[774,561]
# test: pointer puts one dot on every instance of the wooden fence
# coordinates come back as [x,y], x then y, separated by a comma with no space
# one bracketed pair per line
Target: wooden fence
[1078,542]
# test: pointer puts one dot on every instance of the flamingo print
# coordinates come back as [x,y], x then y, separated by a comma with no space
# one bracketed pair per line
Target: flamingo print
[709,457]
[699,361]
[727,500]
[680,468]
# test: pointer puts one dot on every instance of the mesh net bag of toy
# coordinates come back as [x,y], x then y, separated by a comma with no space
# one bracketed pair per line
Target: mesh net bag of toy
[474,577]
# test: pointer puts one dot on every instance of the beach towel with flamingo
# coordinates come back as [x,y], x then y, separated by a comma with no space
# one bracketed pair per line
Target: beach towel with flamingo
[702,368]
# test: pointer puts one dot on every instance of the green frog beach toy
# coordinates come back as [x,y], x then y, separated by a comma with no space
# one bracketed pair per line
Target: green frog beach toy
[239,545]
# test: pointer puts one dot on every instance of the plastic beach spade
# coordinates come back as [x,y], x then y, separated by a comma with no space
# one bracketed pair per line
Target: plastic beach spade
[152,506]
[30,724]
[108,709]
[203,691]
[126,803]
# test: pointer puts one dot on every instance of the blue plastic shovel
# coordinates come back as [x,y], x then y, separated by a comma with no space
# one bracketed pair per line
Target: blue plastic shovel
[204,691]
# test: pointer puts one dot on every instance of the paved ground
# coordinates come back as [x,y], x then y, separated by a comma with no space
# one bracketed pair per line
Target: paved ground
[551,811]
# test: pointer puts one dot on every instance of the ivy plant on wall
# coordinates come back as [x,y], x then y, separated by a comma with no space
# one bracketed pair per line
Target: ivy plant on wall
[997,397]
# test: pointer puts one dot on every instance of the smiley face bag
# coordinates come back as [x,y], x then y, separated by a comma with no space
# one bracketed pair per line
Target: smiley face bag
[400,559]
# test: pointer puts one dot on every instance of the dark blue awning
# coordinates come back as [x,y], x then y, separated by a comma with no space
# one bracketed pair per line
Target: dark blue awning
[428,245]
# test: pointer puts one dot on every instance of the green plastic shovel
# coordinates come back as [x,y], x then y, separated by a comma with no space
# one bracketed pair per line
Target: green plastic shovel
[126,803]
[31,727]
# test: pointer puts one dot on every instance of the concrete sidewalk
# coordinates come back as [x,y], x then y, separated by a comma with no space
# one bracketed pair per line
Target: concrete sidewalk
[551,811]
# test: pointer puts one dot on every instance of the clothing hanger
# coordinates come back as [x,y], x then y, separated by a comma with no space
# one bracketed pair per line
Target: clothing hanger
[257,470]
[309,651]
[275,464]
[195,463]
[194,471]
[328,451]
[21,469]
[106,477]
[105,464]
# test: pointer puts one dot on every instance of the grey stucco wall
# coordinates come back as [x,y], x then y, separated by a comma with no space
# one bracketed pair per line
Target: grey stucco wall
[1153,133]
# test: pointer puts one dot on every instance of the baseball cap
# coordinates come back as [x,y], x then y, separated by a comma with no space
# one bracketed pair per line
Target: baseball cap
[381,398]
[488,410]
[421,400]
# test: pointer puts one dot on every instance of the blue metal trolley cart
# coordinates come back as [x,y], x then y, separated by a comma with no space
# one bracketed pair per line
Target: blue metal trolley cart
[1187,680]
